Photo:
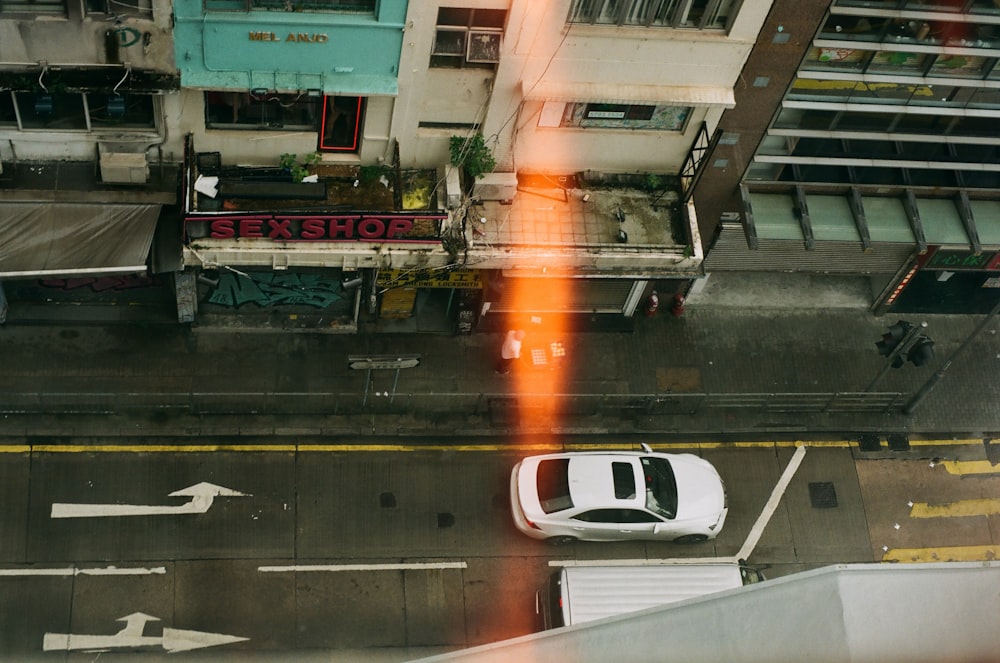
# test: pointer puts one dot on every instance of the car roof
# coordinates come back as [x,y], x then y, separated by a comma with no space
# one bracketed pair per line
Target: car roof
[591,481]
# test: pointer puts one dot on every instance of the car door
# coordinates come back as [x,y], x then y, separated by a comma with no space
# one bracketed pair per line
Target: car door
[616,524]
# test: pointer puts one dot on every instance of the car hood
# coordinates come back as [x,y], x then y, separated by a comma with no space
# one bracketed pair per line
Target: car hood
[700,492]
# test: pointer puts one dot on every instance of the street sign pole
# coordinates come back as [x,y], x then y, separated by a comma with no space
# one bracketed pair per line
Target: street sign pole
[369,363]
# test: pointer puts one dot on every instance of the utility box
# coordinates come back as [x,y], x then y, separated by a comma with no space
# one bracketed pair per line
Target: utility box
[124,167]
[496,186]
[453,187]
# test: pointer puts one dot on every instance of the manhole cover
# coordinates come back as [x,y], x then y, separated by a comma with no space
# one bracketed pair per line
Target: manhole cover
[822,495]
[869,442]
[898,442]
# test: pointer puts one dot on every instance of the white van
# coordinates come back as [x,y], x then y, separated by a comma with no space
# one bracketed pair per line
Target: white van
[578,594]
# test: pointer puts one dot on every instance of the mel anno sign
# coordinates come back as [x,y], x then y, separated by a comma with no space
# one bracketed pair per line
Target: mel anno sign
[292,227]
[299,37]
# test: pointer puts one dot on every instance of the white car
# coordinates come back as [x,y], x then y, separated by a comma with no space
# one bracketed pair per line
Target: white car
[617,496]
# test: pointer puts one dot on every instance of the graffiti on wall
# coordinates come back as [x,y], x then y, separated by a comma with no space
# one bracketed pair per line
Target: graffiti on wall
[274,289]
[103,283]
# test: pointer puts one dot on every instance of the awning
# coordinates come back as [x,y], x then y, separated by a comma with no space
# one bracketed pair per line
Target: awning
[66,239]
[623,93]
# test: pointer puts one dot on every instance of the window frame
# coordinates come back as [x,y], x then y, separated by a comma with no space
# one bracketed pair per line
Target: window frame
[653,13]
[470,23]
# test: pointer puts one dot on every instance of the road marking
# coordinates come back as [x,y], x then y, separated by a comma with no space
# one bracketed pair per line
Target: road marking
[131,636]
[977,507]
[202,496]
[943,554]
[969,467]
[414,566]
[75,571]
[772,504]
[409,448]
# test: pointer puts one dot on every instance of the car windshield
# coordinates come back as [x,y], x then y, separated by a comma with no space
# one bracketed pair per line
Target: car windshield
[552,483]
[661,488]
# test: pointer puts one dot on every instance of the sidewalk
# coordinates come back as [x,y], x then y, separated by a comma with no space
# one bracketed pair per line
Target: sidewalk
[719,371]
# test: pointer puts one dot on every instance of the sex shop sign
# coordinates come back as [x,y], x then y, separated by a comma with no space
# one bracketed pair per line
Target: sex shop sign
[306,227]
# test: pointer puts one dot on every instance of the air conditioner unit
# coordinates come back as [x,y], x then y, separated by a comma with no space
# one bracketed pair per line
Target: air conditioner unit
[495,186]
[124,168]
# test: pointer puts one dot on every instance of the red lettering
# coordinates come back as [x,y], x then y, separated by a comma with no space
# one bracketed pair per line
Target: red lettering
[279,228]
[251,228]
[398,227]
[371,228]
[223,229]
[343,226]
[313,229]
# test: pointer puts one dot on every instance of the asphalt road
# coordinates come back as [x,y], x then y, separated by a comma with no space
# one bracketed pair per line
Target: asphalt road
[310,552]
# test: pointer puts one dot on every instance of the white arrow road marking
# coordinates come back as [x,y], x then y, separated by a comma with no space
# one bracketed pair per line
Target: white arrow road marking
[202,495]
[74,571]
[131,636]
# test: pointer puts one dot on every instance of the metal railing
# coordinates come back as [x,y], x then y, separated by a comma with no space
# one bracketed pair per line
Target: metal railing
[493,404]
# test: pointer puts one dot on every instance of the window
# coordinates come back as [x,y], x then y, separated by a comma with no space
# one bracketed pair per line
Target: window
[661,486]
[616,516]
[552,484]
[77,112]
[120,7]
[261,110]
[623,479]
[695,14]
[625,116]
[468,38]
[33,7]
[348,6]
[341,127]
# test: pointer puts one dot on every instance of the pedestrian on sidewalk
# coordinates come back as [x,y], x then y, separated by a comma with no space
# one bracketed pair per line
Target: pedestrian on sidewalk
[510,351]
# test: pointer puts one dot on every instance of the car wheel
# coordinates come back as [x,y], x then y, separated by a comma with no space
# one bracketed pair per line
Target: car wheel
[560,540]
[691,538]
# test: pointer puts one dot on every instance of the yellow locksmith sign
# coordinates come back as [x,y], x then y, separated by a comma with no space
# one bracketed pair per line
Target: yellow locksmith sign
[405,278]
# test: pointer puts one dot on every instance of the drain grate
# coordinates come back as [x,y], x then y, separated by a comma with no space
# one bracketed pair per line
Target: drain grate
[822,495]
[869,442]
[445,519]
[387,501]
[898,442]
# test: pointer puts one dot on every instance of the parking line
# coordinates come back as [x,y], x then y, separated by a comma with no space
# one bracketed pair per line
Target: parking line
[987,506]
[968,467]
[414,566]
[942,554]
[772,504]
[75,571]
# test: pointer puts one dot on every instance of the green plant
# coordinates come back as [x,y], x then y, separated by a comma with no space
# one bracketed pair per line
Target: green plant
[289,162]
[368,174]
[472,155]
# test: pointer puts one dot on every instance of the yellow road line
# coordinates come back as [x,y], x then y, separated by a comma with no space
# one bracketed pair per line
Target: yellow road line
[946,554]
[976,507]
[964,467]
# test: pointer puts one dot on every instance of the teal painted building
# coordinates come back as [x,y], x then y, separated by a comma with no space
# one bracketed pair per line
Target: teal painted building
[334,48]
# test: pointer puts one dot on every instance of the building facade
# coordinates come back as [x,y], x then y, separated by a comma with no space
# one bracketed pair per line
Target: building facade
[315,139]
[87,180]
[864,142]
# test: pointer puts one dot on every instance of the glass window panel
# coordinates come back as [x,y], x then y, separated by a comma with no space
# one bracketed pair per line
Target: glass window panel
[974,126]
[51,111]
[865,121]
[121,111]
[797,118]
[855,28]
[33,6]
[450,42]
[985,98]
[361,6]
[966,66]
[914,64]
[242,110]
[7,115]
[880,4]
[836,59]
[984,7]
[931,125]
[933,5]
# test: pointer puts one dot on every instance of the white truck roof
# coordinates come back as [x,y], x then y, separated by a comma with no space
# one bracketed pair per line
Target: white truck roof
[595,592]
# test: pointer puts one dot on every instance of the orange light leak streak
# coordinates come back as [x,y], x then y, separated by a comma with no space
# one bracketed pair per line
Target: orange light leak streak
[538,386]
